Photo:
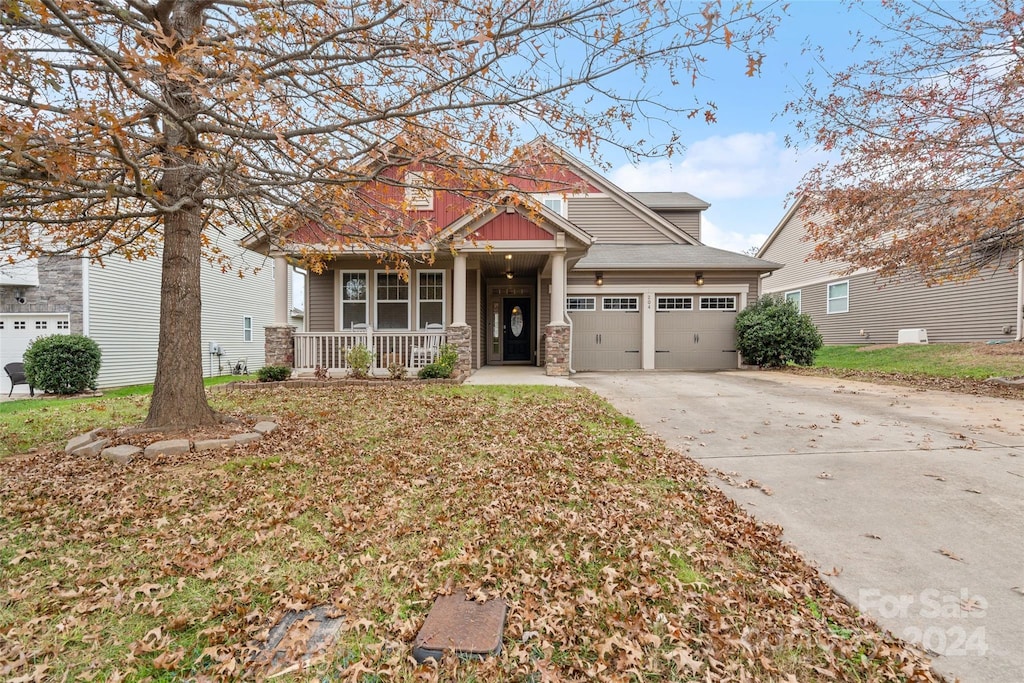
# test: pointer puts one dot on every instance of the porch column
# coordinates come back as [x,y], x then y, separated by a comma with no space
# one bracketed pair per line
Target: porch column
[459,290]
[280,290]
[558,288]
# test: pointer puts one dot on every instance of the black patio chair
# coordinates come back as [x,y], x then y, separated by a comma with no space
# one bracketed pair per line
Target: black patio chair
[16,371]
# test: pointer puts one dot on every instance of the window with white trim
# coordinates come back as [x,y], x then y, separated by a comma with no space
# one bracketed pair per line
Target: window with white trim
[247,328]
[392,302]
[353,299]
[430,296]
[620,303]
[838,300]
[580,303]
[555,202]
[718,303]
[795,297]
[419,194]
[675,303]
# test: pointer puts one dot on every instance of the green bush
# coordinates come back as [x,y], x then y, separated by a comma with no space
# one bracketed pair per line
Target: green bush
[771,333]
[63,363]
[443,367]
[274,373]
[359,359]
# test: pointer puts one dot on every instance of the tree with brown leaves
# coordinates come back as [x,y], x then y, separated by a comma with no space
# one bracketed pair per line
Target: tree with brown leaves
[144,127]
[929,133]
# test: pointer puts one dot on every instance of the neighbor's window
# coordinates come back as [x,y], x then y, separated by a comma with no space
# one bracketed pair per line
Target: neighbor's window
[419,194]
[63,325]
[353,300]
[675,303]
[247,328]
[431,297]
[620,303]
[795,298]
[580,303]
[392,302]
[718,303]
[839,297]
[40,324]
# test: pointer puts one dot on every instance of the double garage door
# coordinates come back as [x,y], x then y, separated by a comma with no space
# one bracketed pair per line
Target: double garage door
[690,332]
[17,330]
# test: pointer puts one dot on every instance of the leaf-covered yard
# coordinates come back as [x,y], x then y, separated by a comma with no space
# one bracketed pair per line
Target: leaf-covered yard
[618,561]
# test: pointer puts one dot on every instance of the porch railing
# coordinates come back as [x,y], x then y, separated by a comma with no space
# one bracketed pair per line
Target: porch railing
[412,350]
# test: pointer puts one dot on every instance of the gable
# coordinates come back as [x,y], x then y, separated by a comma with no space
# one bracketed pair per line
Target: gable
[510,227]
[787,245]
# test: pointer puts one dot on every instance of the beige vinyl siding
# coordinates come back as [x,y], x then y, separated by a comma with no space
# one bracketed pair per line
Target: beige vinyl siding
[655,278]
[320,304]
[543,317]
[610,223]
[472,310]
[791,249]
[686,220]
[974,311]
[124,314]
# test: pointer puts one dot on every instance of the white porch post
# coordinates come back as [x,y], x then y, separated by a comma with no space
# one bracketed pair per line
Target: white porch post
[459,290]
[280,290]
[558,288]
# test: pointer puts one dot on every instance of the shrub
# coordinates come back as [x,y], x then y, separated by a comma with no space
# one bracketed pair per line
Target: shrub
[63,363]
[771,333]
[359,358]
[396,370]
[443,367]
[274,373]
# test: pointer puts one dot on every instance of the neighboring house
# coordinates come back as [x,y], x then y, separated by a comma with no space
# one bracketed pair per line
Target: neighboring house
[862,308]
[585,278]
[118,306]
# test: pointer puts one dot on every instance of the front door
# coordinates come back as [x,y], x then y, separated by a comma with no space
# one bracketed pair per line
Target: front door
[516,329]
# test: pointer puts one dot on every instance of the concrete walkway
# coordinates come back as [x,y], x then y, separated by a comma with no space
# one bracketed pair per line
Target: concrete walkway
[910,503]
[517,374]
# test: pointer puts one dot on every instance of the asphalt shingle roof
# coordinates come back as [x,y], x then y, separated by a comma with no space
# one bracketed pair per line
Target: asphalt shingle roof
[668,256]
[669,200]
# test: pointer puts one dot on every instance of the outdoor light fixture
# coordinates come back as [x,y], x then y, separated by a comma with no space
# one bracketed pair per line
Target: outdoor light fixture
[599,279]
[510,275]
[699,279]
[508,257]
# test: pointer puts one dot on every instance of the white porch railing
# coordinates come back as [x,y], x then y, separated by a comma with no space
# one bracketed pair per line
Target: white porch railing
[327,349]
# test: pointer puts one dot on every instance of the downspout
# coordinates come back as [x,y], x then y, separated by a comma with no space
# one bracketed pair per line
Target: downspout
[85,296]
[1020,294]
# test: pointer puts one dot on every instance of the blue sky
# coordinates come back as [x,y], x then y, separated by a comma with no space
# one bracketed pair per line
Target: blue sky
[741,164]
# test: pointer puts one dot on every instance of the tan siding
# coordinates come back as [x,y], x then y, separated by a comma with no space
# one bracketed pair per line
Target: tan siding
[654,278]
[975,311]
[790,249]
[686,220]
[472,311]
[606,220]
[543,317]
[320,296]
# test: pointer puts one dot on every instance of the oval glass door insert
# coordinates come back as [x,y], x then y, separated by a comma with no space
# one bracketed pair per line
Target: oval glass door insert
[517,321]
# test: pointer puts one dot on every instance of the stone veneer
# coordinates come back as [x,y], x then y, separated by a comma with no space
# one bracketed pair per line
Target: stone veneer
[59,291]
[279,346]
[556,350]
[460,336]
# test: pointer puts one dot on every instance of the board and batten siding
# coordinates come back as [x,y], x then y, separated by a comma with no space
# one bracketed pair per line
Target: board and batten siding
[124,315]
[976,310]
[790,249]
[610,223]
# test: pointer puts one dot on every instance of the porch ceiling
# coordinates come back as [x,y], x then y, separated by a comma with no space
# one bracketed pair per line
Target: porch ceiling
[495,264]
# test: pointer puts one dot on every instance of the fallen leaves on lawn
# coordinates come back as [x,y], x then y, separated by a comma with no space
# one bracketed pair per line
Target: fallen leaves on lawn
[616,557]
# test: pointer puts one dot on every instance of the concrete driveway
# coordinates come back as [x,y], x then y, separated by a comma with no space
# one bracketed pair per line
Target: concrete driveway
[910,503]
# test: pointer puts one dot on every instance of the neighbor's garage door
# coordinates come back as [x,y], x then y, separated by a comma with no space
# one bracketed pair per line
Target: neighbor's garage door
[606,332]
[695,333]
[17,330]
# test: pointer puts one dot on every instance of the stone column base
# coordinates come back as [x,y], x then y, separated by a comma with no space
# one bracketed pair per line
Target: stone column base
[278,347]
[460,335]
[556,350]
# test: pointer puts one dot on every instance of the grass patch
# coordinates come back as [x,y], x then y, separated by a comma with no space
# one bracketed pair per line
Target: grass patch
[614,553]
[971,361]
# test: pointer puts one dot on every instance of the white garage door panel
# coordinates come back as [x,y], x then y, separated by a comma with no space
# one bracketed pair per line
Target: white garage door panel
[606,340]
[17,331]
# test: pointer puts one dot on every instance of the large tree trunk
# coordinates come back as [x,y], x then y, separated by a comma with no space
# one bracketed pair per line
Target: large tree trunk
[179,397]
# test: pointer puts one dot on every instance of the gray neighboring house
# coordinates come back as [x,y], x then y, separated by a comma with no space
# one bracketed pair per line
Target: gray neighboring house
[118,306]
[862,308]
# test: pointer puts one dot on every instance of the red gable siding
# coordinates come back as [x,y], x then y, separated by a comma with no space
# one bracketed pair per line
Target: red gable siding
[510,226]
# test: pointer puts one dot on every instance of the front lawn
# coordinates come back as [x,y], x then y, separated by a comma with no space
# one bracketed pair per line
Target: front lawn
[618,561]
[975,361]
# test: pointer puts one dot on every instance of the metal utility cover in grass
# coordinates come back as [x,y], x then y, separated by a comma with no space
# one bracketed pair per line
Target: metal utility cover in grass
[298,639]
[470,629]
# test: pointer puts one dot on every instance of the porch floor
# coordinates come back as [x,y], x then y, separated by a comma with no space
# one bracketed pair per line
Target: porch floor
[517,374]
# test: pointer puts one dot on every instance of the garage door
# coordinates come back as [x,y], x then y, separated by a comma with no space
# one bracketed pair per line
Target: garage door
[17,330]
[695,332]
[606,332]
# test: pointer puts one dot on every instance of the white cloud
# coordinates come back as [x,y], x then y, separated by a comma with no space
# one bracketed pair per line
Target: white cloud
[722,167]
[713,236]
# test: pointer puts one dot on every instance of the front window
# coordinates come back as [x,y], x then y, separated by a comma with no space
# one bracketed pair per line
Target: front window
[247,328]
[353,300]
[795,298]
[431,298]
[392,302]
[839,297]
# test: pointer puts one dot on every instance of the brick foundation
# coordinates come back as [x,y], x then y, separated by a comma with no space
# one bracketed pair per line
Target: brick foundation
[278,345]
[460,336]
[556,350]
